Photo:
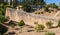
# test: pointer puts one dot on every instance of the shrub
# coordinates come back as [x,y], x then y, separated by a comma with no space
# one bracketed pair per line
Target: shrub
[3,19]
[49,24]
[21,23]
[49,33]
[46,9]
[58,23]
[39,27]
[3,29]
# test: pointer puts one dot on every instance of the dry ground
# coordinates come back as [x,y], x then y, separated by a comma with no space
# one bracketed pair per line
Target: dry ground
[25,31]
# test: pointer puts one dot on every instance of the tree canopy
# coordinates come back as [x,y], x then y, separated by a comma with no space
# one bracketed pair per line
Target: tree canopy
[53,5]
[3,8]
[35,2]
[3,29]
[3,19]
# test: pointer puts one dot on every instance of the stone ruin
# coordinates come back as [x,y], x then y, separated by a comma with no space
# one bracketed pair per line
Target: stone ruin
[29,18]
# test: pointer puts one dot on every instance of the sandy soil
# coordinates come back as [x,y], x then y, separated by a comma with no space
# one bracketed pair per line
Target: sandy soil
[25,30]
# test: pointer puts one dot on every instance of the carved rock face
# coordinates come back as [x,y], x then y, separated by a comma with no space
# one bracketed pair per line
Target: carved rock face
[29,18]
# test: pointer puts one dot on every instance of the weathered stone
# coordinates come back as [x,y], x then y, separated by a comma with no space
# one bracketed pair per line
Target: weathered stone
[29,18]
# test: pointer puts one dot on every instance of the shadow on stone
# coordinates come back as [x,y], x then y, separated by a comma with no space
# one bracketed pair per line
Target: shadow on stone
[30,30]
[27,25]
[10,23]
[30,27]
[17,29]
[42,31]
[11,33]
[5,34]
[53,27]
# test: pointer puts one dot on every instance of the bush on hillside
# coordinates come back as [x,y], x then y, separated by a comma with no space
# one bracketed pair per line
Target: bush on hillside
[21,23]
[58,23]
[39,27]
[48,33]
[49,24]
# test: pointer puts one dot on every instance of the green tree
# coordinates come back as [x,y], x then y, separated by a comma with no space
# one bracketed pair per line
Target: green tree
[3,19]
[26,7]
[46,9]
[53,5]
[38,2]
[27,4]
[3,8]
[3,29]
[15,4]
[21,24]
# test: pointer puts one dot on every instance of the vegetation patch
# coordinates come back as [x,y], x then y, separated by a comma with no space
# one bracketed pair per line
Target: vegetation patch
[58,23]
[3,29]
[39,27]
[3,19]
[49,24]
[21,24]
[48,33]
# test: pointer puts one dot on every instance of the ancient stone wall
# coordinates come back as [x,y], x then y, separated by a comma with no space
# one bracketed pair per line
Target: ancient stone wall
[29,18]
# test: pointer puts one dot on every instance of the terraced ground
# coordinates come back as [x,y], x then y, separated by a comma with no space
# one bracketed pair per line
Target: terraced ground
[28,30]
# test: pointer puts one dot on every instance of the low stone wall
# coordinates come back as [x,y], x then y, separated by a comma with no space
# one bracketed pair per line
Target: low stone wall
[29,18]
